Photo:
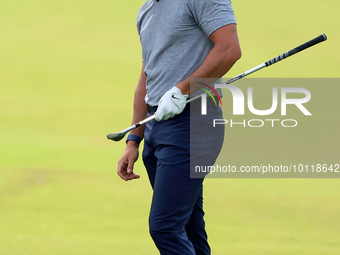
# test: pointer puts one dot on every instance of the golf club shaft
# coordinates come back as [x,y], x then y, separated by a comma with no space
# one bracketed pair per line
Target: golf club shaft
[138,124]
[287,54]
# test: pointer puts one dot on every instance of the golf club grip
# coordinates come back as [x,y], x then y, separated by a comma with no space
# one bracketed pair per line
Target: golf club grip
[302,47]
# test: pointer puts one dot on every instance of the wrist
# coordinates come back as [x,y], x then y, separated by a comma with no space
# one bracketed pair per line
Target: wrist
[133,139]
[132,145]
[184,86]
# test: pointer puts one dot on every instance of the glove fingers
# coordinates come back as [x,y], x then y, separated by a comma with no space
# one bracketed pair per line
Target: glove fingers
[158,116]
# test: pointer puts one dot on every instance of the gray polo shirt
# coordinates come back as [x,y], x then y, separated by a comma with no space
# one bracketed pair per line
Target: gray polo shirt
[174,35]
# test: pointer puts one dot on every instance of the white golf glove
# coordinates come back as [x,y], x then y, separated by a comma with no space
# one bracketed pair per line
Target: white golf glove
[171,104]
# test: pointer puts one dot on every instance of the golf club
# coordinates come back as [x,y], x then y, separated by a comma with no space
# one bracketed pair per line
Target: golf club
[120,135]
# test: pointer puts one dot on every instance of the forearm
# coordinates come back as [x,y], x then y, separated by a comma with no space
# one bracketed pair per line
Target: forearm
[140,108]
[131,153]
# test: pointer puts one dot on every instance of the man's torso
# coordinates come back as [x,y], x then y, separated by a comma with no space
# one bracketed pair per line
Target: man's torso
[174,38]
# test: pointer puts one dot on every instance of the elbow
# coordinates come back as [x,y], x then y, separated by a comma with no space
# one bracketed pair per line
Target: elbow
[236,54]
[230,55]
[229,58]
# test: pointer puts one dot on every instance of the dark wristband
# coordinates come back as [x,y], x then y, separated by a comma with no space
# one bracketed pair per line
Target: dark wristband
[133,137]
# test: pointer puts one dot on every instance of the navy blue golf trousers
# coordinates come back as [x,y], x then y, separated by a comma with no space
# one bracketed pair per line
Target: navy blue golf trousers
[176,220]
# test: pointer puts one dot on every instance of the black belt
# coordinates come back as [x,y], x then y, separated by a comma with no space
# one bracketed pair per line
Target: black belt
[152,109]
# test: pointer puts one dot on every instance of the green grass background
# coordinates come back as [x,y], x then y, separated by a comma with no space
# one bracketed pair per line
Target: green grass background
[67,75]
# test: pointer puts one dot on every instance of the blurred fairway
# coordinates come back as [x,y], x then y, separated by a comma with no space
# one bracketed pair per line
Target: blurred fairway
[67,75]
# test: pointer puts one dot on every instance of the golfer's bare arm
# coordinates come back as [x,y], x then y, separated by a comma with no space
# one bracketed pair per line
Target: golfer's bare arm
[130,155]
[220,59]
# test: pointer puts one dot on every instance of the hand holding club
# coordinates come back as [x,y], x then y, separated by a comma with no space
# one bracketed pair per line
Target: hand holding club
[171,104]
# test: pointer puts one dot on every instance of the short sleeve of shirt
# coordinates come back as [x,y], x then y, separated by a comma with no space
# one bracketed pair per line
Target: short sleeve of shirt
[211,15]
